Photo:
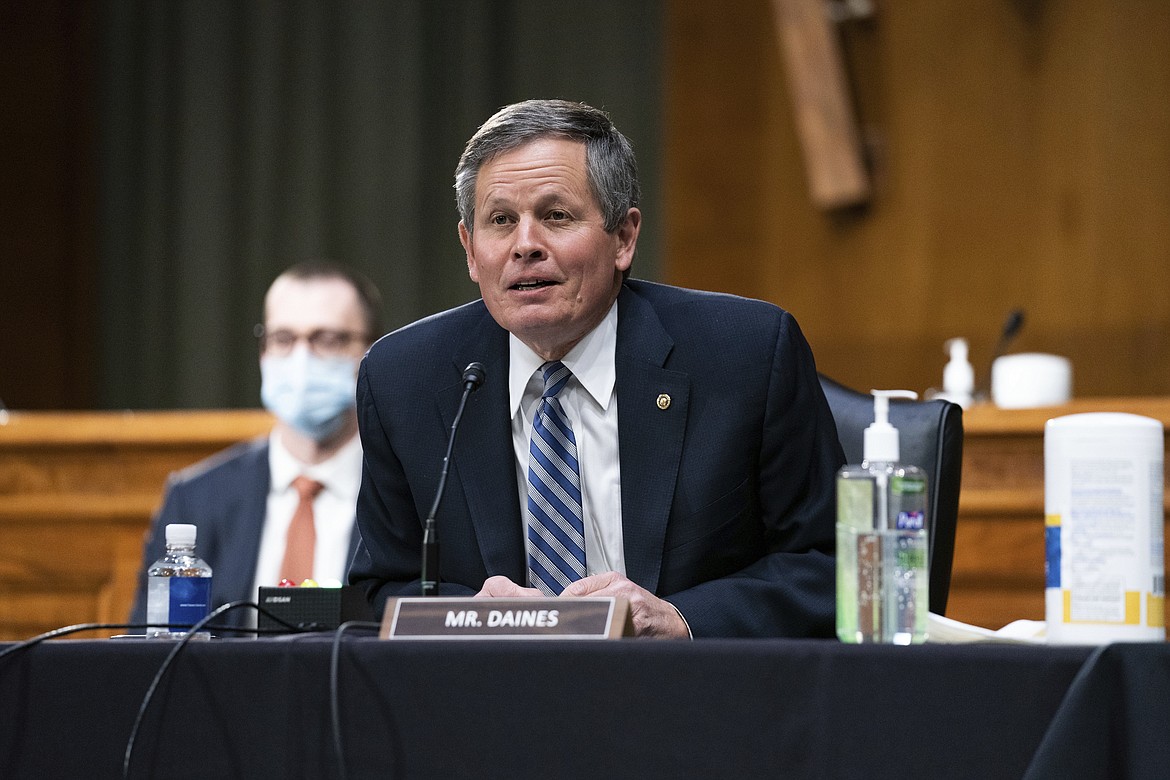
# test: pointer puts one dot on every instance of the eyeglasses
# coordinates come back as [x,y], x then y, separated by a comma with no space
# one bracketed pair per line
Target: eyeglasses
[322,343]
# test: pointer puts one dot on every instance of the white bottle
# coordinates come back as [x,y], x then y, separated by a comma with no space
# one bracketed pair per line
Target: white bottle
[178,585]
[958,375]
[882,576]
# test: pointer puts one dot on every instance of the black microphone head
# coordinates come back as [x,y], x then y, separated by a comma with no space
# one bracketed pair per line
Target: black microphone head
[1015,321]
[474,375]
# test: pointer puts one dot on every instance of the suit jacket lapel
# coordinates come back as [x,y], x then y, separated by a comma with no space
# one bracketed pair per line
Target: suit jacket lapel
[652,414]
[236,572]
[483,463]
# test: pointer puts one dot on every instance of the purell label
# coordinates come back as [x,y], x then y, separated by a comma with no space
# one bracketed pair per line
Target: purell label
[910,521]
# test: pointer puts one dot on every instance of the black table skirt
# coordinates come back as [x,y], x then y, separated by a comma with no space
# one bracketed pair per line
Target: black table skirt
[630,708]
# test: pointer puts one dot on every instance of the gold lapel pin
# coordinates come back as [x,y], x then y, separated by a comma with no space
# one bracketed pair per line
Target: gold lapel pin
[663,401]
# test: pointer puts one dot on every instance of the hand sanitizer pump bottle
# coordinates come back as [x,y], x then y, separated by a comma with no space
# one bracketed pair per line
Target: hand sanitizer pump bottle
[958,375]
[882,582]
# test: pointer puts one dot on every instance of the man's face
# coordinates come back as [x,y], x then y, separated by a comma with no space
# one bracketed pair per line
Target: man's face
[545,266]
[321,314]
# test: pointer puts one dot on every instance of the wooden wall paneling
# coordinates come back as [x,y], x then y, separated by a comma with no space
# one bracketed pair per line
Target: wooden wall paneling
[1010,167]
[77,491]
[822,104]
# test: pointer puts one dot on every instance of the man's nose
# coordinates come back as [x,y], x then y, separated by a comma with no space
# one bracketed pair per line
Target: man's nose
[529,243]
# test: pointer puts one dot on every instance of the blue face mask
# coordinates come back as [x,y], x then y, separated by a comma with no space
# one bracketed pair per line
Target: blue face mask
[309,393]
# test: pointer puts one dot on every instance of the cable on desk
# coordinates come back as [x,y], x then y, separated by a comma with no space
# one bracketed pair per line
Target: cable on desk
[163,669]
[334,688]
[207,623]
[79,627]
[56,632]
[201,625]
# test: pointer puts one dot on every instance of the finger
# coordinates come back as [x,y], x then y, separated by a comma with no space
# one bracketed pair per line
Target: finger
[499,585]
[593,585]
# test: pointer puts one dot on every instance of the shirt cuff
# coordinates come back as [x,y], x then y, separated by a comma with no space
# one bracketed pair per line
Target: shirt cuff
[690,634]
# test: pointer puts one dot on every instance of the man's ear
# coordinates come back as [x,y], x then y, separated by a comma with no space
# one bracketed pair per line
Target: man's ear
[627,235]
[465,239]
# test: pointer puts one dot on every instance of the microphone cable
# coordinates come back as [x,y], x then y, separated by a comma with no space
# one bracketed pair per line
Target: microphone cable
[179,645]
[208,623]
[335,686]
[79,627]
[166,664]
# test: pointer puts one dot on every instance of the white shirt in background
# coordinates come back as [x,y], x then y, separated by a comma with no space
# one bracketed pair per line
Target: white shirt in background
[333,510]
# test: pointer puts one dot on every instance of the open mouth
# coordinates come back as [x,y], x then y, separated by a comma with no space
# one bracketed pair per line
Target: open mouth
[522,286]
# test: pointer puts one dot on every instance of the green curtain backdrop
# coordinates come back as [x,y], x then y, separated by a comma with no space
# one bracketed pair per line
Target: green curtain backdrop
[238,137]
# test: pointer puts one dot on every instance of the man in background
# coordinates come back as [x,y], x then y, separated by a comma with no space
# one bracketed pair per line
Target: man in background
[282,507]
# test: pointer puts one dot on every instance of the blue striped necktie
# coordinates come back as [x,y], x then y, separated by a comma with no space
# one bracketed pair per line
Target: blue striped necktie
[556,530]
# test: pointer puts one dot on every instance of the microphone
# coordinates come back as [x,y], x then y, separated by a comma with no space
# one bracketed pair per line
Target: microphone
[473,376]
[1011,327]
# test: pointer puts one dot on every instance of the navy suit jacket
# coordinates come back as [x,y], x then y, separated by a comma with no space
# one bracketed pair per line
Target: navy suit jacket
[226,498]
[727,494]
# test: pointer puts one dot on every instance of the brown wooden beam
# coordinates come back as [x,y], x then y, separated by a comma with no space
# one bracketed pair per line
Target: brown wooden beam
[825,120]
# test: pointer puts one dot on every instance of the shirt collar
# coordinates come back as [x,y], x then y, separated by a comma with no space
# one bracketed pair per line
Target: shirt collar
[340,474]
[591,361]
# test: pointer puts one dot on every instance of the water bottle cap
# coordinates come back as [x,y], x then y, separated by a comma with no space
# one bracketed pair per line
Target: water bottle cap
[181,534]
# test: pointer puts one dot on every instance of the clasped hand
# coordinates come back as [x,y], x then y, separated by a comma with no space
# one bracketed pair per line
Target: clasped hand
[652,616]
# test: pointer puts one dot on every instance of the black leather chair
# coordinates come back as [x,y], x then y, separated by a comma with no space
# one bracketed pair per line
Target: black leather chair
[930,437]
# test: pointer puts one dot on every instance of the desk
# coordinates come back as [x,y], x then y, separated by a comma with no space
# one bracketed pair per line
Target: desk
[77,490]
[644,709]
[98,476]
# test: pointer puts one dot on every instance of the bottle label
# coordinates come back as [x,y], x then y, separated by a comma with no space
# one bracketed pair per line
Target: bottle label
[910,521]
[190,599]
[905,486]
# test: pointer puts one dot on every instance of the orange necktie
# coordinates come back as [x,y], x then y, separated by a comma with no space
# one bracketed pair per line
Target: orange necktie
[301,541]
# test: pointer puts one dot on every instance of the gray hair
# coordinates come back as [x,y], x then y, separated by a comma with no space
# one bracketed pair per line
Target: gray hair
[609,157]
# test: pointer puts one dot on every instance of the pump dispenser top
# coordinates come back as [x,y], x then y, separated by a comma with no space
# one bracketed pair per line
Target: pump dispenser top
[881,438]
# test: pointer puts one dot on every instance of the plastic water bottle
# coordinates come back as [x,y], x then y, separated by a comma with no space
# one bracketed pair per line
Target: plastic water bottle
[179,586]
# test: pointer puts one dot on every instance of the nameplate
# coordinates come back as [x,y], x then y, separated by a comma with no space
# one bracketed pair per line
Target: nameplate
[600,617]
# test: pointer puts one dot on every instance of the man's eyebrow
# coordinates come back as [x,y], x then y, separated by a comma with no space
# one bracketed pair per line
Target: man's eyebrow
[557,196]
[496,201]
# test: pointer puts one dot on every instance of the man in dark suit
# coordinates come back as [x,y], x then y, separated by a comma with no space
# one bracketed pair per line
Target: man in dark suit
[692,462]
[319,318]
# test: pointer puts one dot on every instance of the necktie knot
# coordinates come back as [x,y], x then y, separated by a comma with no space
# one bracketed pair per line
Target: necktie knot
[307,489]
[556,376]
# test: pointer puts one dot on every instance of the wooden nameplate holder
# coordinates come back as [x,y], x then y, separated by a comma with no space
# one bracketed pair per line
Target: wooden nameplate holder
[591,617]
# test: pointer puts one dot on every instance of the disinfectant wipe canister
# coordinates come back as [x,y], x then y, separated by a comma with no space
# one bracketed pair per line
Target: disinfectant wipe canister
[1104,565]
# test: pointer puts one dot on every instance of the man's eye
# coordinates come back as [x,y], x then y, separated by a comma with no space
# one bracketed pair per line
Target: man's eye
[557,214]
[328,339]
[499,219]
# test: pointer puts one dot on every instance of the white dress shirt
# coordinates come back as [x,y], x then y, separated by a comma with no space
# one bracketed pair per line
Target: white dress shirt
[333,510]
[590,401]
